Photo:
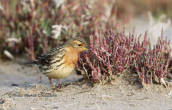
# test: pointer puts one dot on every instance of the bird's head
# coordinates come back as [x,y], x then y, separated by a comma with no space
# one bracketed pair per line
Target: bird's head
[78,44]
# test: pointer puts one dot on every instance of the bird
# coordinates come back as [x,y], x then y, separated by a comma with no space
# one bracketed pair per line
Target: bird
[59,62]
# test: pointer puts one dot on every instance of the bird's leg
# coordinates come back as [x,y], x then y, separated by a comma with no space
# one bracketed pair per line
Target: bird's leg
[57,89]
[60,85]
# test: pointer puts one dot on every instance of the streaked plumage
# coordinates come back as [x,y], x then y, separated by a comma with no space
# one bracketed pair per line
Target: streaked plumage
[61,61]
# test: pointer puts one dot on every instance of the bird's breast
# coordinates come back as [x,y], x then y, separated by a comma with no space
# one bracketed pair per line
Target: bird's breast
[71,58]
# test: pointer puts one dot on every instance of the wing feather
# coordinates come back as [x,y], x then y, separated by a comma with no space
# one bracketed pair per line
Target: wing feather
[49,57]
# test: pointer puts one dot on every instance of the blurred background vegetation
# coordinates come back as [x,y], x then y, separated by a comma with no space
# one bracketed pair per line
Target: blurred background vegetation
[32,27]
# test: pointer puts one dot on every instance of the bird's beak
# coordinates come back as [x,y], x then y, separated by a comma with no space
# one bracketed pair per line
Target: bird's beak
[87,48]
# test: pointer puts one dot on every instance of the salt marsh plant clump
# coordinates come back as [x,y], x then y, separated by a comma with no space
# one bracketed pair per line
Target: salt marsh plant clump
[114,54]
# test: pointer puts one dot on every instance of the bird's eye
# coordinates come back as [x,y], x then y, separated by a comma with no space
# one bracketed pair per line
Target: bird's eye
[79,45]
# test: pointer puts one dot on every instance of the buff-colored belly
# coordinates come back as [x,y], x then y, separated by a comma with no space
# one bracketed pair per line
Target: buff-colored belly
[60,73]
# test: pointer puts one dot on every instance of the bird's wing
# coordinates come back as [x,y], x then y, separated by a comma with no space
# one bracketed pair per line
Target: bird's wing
[50,56]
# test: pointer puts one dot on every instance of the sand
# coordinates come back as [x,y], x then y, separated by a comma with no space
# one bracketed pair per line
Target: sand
[22,89]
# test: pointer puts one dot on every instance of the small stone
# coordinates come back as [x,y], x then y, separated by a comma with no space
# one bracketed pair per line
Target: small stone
[169,94]
[14,85]
[56,107]
[132,105]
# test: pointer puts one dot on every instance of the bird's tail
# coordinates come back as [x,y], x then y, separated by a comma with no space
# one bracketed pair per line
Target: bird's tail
[30,63]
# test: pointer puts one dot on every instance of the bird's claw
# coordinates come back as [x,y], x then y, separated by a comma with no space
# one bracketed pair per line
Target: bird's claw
[58,89]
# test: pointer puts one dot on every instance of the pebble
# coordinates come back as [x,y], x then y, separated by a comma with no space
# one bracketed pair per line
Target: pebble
[169,94]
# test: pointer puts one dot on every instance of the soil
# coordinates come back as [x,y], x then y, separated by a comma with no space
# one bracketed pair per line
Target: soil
[22,87]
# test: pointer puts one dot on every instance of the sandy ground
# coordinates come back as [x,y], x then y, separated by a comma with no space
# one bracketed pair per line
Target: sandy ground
[22,89]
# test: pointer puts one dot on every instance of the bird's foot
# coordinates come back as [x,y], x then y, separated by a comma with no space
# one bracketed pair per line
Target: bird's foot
[60,86]
[58,89]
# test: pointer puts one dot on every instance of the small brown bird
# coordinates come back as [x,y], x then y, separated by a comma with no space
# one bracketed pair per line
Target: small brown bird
[61,61]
